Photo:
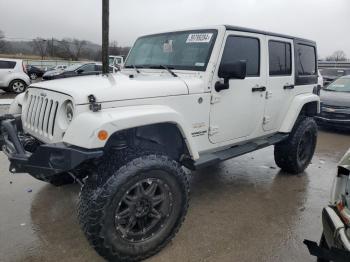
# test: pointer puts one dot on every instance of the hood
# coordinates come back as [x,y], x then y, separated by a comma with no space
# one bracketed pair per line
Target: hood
[114,87]
[335,98]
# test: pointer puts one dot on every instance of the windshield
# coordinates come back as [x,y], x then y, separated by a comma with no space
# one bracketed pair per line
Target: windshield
[186,50]
[339,85]
[73,67]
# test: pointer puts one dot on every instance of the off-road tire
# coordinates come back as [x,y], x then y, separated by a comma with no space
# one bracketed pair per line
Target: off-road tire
[289,154]
[101,195]
[323,244]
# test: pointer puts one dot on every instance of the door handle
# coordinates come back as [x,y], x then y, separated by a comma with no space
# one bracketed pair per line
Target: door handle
[288,87]
[259,89]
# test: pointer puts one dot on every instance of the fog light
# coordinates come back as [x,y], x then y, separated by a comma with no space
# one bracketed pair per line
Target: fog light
[102,135]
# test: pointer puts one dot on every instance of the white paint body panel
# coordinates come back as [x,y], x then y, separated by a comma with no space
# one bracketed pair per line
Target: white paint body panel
[8,75]
[155,96]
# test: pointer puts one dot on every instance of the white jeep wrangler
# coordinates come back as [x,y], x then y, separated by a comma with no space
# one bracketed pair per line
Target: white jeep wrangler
[187,98]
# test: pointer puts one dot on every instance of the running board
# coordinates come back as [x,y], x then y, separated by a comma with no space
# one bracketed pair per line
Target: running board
[213,158]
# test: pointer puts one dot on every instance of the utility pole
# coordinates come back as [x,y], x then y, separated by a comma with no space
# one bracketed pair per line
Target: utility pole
[105,36]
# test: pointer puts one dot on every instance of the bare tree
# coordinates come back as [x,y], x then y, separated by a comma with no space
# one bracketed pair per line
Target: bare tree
[78,46]
[40,46]
[338,55]
[113,48]
[2,41]
[72,48]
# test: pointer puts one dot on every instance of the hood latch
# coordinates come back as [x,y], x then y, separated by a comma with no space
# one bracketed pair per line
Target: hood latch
[94,107]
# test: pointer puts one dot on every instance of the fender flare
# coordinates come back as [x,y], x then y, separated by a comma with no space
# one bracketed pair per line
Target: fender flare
[294,110]
[16,105]
[83,130]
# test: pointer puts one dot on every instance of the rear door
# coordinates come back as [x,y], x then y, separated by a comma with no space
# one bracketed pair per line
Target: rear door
[236,113]
[280,81]
[6,69]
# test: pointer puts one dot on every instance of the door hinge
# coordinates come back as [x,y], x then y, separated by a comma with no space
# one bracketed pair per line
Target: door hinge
[213,130]
[268,95]
[215,99]
[266,120]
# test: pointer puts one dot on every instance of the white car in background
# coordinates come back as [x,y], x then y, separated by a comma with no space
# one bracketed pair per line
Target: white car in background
[13,76]
[116,61]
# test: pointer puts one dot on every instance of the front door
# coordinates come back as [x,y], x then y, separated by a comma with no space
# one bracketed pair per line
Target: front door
[237,113]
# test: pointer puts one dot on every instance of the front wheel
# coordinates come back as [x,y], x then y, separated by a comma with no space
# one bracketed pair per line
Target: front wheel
[294,154]
[131,211]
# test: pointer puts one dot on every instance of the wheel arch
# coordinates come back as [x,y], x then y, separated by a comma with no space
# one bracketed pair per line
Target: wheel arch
[156,123]
[305,104]
[165,137]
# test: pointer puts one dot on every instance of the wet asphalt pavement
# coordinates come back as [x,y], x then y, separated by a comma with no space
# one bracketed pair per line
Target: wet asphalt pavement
[243,209]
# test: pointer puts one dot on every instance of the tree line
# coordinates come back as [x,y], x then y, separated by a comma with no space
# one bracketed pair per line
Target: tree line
[53,48]
[75,49]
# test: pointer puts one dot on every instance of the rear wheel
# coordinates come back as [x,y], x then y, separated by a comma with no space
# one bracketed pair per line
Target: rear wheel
[131,210]
[33,76]
[295,153]
[17,86]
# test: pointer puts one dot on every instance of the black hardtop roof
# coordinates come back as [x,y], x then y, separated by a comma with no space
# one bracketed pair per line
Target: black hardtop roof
[250,30]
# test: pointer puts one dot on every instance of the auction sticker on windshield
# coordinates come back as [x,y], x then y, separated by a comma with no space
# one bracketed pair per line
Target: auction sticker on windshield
[199,38]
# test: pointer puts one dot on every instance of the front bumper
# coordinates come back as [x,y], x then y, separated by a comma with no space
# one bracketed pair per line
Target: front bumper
[333,122]
[47,159]
[335,236]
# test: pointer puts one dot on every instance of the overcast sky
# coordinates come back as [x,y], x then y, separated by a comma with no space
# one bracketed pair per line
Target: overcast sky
[325,21]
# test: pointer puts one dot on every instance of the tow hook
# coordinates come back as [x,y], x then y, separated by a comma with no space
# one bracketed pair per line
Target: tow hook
[94,107]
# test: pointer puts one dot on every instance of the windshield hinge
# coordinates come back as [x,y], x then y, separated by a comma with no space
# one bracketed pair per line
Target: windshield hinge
[213,130]
[215,98]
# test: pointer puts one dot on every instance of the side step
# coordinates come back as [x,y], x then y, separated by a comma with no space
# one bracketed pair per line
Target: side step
[238,150]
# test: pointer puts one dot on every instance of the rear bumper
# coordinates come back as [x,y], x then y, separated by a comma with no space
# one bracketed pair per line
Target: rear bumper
[47,159]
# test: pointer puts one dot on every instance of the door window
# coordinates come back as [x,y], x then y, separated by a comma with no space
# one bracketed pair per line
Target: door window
[88,68]
[280,58]
[243,48]
[306,60]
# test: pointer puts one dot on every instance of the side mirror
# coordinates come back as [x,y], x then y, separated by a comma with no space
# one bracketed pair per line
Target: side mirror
[235,70]
[80,71]
[227,71]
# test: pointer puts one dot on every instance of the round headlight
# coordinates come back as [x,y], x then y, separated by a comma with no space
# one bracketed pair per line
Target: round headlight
[69,111]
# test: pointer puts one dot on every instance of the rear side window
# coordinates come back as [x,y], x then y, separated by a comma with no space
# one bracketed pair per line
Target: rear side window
[7,64]
[243,48]
[88,68]
[280,58]
[306,56]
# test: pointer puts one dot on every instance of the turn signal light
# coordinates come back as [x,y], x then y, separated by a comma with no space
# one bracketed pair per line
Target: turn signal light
[102,135]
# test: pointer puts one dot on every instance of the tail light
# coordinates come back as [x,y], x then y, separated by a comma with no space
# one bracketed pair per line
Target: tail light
[24,68]
[344,212]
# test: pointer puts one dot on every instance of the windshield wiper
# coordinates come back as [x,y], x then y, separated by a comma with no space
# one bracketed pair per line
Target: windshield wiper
[164,67]
[135,67]
[137,71]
